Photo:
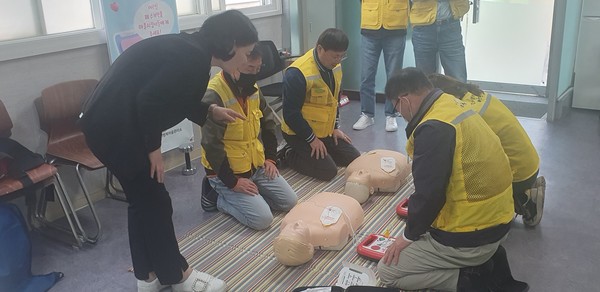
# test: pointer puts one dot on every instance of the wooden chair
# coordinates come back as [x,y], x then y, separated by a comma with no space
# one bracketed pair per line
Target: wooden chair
[58,109]
[36,180]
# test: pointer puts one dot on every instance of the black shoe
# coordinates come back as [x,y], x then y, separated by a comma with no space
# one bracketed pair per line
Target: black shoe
[475,279]
[536,196]
[209,197]
[501,277]
[282,156]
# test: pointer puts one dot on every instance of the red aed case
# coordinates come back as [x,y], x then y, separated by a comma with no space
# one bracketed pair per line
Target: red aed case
[402,208]
[374,246]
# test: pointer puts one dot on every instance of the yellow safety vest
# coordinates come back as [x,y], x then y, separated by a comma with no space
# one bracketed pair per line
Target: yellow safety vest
[320,104]
[389,14]
[479,193]
[244,150]
[524,159]
[424,12]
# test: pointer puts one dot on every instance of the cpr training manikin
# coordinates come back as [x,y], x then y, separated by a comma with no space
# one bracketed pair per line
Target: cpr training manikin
[328,220]
[376,171]
[325,221]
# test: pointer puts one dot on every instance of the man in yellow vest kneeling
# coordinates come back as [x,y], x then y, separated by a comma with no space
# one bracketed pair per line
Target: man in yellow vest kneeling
[242,171]
[462,207]
[528,189]
[311,86]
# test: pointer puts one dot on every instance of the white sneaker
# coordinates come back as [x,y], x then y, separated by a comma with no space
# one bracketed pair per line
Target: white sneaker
[153,286]
[363,122]
[200,282]
[390,124]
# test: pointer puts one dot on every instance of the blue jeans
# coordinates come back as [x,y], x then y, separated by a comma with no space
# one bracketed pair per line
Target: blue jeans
[445,38]
[393,56]
[255,211]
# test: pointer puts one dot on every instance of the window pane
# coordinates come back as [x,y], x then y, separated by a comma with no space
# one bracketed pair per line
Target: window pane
[66,15]
[18,19]
[186,7]
[215,5]
[239,4]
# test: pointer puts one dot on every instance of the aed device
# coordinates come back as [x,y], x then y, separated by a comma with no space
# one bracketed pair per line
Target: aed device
[374,246]
[402,208]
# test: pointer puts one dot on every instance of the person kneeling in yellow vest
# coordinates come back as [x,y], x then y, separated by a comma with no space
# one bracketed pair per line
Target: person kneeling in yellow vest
[528,189]
[462,206]
[311,86]
[239,168]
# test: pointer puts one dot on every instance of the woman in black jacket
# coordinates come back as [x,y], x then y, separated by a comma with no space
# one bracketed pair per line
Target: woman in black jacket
[152,86]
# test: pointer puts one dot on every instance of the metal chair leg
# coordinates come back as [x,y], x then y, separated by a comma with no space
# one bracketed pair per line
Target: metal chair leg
[40,213]
[112,191]
[95,238]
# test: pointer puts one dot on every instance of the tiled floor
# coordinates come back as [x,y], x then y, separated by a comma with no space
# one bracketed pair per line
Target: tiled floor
[561,254]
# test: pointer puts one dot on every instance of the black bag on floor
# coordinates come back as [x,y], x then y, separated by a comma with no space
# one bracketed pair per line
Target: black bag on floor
[15,255]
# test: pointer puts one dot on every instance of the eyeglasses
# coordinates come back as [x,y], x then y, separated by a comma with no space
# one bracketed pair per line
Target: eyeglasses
[396,103]
[336,56]
[340,58]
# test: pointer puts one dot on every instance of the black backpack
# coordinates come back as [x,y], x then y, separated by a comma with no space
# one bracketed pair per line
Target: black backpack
[20,159]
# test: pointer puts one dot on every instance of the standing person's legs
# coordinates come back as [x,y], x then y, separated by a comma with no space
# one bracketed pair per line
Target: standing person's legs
[299,159]
[343,153]
[152,238]
[371,50]
[393,56]
[426,263]
[452,50]
[425,45]
[250,210]
[276,192]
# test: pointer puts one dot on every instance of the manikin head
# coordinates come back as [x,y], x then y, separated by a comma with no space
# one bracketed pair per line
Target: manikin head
[292,247]
[358,186]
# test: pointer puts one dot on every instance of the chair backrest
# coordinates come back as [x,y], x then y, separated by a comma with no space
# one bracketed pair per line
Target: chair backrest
[272,61]
[62,102]
[5,122]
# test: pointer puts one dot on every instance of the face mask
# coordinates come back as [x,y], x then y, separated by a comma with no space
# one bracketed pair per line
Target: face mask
[246,84]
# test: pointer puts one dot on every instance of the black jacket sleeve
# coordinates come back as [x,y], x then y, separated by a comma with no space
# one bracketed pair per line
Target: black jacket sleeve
[434,145]
[294,93]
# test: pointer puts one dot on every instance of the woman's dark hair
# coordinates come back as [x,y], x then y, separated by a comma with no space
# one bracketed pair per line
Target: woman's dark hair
[407,80]
[452,86]
[224,31]
[333,39]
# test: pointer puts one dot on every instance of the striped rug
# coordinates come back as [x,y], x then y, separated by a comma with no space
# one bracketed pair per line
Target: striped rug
[244,258]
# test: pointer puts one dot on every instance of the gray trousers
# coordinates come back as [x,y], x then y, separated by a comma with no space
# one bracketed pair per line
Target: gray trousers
[426,263]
